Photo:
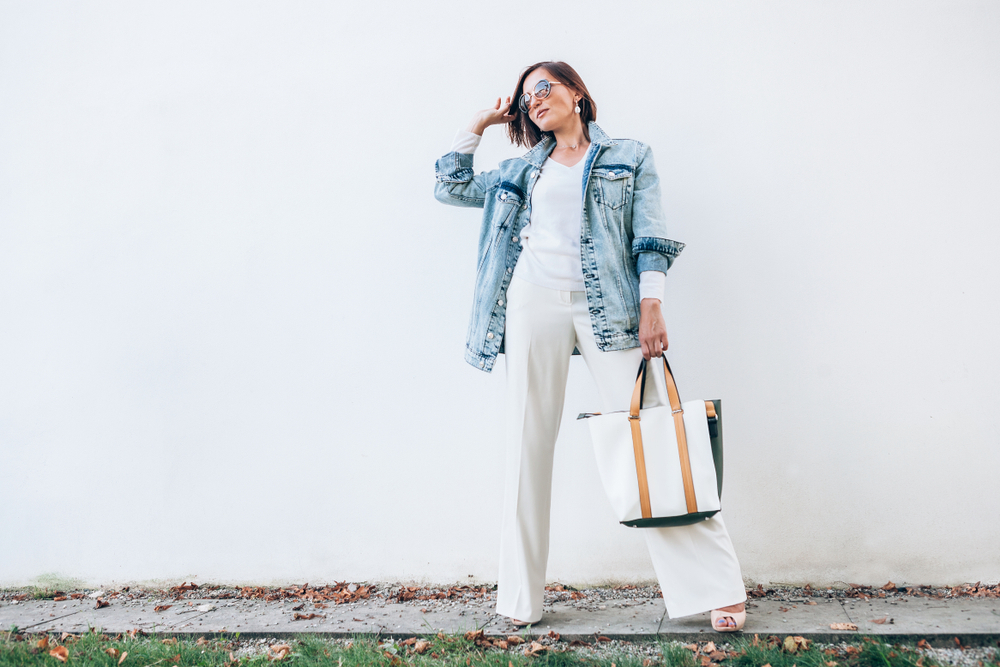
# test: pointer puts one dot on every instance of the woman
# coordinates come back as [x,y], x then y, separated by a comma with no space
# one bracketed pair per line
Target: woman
[573,257]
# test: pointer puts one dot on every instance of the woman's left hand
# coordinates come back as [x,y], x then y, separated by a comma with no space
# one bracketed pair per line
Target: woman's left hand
[652,329]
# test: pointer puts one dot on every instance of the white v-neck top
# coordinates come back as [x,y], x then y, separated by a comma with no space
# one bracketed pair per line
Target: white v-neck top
[550,253]
[550,242]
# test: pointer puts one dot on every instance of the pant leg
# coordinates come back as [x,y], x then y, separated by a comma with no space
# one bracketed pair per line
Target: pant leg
[538,344]
[696,565]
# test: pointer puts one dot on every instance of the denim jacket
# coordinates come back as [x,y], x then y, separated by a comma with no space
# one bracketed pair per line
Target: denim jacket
[623,233]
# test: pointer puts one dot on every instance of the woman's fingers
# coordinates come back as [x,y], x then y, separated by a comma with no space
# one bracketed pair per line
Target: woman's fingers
[654,345]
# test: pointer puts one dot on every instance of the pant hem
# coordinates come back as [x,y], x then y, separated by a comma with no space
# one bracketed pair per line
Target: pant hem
[680,612]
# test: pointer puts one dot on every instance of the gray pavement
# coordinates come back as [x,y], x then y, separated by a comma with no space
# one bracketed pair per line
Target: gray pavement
[636,614]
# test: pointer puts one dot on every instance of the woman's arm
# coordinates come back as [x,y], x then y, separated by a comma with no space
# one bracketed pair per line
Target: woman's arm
[653,252]
[456,181]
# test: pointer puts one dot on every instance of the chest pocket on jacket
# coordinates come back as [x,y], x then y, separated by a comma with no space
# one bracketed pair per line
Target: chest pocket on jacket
[508,200]
[612,183]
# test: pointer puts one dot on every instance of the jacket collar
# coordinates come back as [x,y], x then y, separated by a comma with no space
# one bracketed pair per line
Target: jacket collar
[540,151]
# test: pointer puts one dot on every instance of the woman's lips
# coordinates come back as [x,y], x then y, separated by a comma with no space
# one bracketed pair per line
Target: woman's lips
[539,114]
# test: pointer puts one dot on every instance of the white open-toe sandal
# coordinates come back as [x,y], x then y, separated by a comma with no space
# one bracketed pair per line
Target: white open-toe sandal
[739,618]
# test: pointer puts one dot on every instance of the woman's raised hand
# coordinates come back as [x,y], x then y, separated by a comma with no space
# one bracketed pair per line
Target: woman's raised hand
[495,116]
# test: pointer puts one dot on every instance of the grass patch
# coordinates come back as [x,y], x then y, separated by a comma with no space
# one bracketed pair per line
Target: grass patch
[440,650]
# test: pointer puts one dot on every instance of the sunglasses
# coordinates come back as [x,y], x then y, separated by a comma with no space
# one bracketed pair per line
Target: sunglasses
[542,90]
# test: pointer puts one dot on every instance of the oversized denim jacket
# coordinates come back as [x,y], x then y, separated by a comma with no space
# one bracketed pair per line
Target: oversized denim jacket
[623,233]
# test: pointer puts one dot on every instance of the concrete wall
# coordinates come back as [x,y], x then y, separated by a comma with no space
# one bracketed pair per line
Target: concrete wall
[232,315]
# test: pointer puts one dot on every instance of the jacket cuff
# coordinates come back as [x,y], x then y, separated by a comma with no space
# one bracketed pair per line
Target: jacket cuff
[654,254]
[454,168]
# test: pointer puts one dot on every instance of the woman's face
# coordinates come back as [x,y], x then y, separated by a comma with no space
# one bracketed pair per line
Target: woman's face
[556,110]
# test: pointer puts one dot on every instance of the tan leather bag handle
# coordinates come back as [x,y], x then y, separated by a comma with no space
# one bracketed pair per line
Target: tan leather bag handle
[682,450]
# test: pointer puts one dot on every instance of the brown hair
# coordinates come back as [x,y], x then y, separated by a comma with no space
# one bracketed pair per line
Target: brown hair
[522,130]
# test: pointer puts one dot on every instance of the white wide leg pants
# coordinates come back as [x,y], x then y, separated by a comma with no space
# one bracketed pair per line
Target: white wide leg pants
[696,565]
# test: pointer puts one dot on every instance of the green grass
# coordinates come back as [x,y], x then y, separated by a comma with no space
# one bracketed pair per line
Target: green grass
[443,651]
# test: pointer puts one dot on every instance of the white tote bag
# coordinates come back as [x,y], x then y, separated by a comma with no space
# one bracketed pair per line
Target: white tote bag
[660,466]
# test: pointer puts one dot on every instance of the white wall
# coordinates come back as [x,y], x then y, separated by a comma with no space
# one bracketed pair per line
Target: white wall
[232,315]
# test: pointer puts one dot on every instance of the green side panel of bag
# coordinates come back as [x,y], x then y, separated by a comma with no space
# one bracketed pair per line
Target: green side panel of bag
[717,444]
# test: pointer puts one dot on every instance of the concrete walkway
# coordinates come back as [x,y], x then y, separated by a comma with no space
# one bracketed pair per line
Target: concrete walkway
[636,614]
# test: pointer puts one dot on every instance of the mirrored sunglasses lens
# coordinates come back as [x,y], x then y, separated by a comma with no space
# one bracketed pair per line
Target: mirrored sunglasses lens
[522,103]
[542,89]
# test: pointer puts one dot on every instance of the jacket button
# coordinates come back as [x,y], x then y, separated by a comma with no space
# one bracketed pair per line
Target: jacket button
[500,302]
[481,363]
[509,269]
[503,196]
[514,239]
[490,335]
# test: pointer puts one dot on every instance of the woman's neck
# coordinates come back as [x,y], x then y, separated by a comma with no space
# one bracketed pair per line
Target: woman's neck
[571,137]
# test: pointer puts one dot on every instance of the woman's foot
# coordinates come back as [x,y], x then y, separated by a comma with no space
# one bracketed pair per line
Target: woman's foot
[520,624]
[729,619]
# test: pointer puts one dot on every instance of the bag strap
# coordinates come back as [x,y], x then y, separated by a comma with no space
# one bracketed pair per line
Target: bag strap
[682,449]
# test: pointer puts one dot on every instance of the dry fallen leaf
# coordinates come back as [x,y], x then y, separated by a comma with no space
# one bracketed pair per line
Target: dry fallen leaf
[101,603]
[812,603]
[795,643]
[171,640]
[535,649]
[709,647]
[60,653]
[162,607]
[122,659]
[113,652]
[43,643]
[553,635]
[843,626]
[60,598]
[279,651]
[308,617]
[473,635]
[421,646]
[880,621]
[514,640]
